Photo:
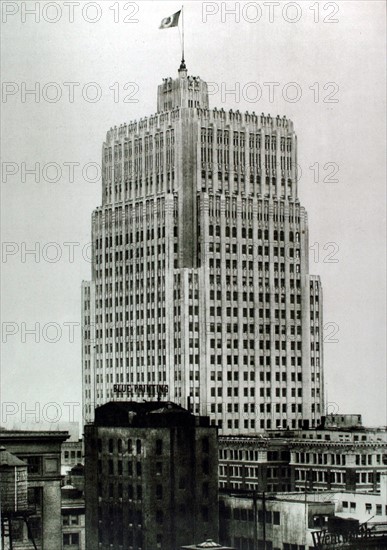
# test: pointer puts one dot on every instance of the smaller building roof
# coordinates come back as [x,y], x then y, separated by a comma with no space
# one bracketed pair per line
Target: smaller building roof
[32,435]
[78,470]
[209,543]
[9,460]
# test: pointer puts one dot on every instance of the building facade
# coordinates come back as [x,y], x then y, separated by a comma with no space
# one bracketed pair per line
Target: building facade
[290,521]
[41,451]
[73,518]
[150,477]
[72,455]
[255,464]
[304,461]
[200,272]
[281,522]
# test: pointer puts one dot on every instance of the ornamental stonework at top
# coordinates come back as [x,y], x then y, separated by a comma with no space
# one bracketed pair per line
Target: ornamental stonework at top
[192,92]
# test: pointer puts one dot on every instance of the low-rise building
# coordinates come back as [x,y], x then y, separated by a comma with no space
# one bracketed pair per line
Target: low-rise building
[304,460]
[335,465]
[251,521]
[344,421]
[254,463]
[370,508]
[73,518]
[41,451]
[72,454]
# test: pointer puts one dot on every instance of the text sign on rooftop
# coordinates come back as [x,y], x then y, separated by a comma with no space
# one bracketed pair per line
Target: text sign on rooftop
[141,389]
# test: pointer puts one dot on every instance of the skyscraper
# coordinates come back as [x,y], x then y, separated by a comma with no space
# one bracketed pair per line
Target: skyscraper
[200,274]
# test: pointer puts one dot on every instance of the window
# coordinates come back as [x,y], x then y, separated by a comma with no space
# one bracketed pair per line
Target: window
[159,446]
[159,516]
[70,520]
[276,518]
[378,509]
[34,464]
[159,492]
[205,513]
[35,496]
[368,507]
[71,539]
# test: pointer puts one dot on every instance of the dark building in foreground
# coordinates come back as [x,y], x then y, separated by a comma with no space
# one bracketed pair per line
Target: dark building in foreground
[151,477]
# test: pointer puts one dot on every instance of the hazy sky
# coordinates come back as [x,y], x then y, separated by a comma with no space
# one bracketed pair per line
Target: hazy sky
[330,80]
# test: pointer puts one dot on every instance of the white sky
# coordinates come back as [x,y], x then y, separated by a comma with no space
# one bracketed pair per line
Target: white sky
[350,133]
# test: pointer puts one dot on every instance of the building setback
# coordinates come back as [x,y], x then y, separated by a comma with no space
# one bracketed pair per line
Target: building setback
[151,477]
[200,272]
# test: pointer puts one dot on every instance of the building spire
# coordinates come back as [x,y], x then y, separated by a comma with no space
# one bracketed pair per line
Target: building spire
[182,64]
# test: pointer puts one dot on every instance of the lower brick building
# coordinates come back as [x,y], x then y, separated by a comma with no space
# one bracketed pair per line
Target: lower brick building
[41,451]
[151,477]
[304,460]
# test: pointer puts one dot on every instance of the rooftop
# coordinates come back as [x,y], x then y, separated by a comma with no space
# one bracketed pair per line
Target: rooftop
[17,435]
[146,414]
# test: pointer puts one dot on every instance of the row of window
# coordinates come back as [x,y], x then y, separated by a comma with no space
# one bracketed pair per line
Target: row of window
[246,514]
[130,446]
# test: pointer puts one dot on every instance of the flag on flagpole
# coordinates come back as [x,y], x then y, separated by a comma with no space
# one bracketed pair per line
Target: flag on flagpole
[171,21]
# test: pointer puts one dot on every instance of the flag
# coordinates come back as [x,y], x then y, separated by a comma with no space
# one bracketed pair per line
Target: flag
[171,21]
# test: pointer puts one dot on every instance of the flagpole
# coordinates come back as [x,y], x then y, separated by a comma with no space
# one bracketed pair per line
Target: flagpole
[182,24]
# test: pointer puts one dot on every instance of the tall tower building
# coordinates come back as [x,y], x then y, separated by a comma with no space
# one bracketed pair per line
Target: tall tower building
[200,272]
